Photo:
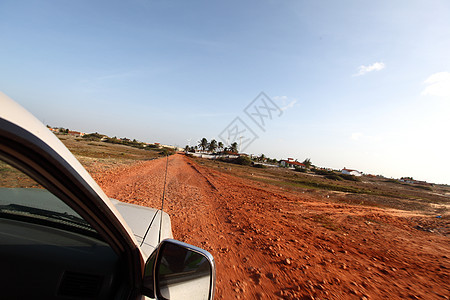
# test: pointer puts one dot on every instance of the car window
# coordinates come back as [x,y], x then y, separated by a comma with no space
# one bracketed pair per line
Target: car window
[47,243]
[21,197]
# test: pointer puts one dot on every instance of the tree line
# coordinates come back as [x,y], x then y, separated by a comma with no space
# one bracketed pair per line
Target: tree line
[212,146]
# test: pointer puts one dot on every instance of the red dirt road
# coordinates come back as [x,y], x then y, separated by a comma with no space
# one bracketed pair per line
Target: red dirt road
[269,243]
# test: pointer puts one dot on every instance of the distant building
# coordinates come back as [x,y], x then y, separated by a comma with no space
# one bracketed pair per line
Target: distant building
[407,179]
[228,152]
[413,181]
[171,147]
[351,172]
[290,163]
[75,133]
[61,130]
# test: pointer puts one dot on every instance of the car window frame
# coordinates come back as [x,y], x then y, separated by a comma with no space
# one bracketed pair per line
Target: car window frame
[29,154]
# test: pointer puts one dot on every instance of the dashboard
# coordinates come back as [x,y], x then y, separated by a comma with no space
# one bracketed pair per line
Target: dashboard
[52,263]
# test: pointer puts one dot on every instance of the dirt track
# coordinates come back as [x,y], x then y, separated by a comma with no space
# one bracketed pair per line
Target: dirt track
[269,243]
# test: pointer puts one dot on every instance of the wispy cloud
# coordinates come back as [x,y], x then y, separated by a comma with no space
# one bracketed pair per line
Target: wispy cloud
[377,66]
[286,103]
[438,84]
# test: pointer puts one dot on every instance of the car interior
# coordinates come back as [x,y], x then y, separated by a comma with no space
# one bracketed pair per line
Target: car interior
[47,249]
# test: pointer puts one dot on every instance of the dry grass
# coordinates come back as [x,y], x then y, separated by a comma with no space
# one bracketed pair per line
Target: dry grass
[370,191]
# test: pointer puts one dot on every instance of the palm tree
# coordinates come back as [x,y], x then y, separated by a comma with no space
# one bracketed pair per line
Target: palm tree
[203,144]
[262,157]
[212,145]
[307,163]
[234,147]
[220,146]
[187,148]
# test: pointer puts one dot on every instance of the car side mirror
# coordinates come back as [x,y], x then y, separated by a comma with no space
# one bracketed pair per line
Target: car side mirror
[179,271]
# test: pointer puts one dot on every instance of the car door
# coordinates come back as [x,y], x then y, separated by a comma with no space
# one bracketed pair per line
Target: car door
[27,145]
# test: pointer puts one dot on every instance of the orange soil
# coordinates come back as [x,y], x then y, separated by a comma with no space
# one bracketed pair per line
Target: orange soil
[269,243]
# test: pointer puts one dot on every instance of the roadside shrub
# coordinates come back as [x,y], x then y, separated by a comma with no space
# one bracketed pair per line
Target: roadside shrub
[260,166]
[423,187]
[350,177]
[153,146]
[301,170]
[226,160]
[167,151]
[113,140]
[392,181]
[243,160]
[323,172]
[95,137]
[334,177]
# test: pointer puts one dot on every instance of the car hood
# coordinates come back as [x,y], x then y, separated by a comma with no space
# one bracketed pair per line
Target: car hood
[146,224]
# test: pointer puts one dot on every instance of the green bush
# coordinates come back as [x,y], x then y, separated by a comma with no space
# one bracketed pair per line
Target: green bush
[153,146]
[350,177]
[226,160]
[323,172]
[243,160]
[93,137]
[302,170]
[423,187]
[334,177]
[167,151]
[260,166]
[113,140]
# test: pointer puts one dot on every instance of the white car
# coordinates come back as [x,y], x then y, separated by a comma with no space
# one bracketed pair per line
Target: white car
[61,237]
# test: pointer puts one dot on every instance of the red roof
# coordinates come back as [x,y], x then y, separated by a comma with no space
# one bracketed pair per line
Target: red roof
[74,132]
[230,152]
[294,163]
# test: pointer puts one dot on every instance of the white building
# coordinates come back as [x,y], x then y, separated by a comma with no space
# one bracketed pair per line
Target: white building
[290,163]
[351,172]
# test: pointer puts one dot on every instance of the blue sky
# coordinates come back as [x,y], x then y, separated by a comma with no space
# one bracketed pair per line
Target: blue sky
[362,84]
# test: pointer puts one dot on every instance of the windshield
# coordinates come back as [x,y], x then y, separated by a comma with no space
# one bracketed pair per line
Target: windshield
[23,198]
